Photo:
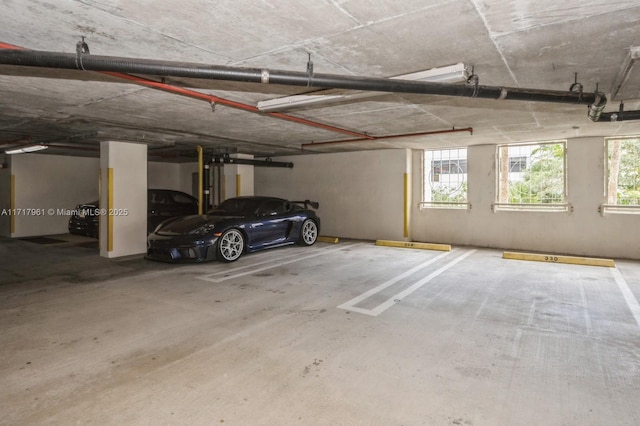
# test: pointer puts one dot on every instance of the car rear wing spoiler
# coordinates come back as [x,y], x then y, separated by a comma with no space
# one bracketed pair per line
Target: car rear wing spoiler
[308,203]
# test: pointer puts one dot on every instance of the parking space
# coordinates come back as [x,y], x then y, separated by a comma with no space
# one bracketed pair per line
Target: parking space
[348,333]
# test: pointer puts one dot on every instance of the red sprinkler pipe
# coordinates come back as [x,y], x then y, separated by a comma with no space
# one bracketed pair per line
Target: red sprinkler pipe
[233,104]
[211,99]
[9,46]
[375,138]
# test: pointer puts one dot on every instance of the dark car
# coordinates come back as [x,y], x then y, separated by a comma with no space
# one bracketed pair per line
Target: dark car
[238,225]
[162,204]
[85,220]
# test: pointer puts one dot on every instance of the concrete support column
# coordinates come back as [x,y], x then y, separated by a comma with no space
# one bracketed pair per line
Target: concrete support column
[238,177]
[123,199]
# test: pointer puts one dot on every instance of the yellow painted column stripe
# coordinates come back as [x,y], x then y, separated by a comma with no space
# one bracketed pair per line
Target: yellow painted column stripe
[238,181]
[12,202]
[109,209]
[414,245]
[553,258]
[406,205]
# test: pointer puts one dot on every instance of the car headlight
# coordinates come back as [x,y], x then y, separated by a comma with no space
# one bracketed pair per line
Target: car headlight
[202,230]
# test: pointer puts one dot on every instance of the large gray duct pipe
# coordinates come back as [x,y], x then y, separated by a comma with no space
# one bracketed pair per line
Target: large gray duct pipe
[88,62]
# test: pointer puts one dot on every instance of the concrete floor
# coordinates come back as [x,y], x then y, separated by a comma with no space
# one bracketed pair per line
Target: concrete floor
[346,334]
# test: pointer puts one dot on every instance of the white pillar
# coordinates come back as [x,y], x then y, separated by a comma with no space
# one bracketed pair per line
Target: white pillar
[238,177]
[123,199]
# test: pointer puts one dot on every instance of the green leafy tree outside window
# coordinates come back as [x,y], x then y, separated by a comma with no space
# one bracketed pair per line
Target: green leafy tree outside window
[623,183]
[542,182]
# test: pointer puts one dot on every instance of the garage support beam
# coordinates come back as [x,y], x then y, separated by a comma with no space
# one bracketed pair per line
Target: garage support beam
[123,199]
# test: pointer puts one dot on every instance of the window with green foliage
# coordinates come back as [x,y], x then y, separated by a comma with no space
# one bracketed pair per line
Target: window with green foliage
[532,174]
[445,177]
[623,171]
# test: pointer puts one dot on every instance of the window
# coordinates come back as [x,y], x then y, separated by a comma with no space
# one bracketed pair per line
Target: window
[272,208]
[182,198]
[445,178]
[517,164]
[623,172]
[532,176]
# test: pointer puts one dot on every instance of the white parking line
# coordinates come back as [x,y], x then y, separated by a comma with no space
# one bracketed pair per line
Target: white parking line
[631,300]
[350,305]
[267,258]
[216,278]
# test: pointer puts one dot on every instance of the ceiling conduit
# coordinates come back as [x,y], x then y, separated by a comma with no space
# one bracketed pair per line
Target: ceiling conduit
[215,99]
[377,138]
[89,62]
[620,116]
[233,104]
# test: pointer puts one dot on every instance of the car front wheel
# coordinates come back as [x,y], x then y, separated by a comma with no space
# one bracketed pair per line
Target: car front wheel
[309,233]
[230,245]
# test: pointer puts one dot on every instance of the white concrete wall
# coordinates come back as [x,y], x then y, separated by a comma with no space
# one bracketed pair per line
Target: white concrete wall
[186,175]
[165,176]
[51,181]
[361,194]
[48,182]
[581,232]
[242,173]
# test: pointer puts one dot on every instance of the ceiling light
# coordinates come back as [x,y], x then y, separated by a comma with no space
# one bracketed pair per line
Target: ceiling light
[25,149]
[457,73]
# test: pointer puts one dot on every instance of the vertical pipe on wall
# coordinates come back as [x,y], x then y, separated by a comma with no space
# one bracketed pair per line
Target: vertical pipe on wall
[12,203]
[219,184]
[224,187]
[200,179]
[406,205]
[207,187]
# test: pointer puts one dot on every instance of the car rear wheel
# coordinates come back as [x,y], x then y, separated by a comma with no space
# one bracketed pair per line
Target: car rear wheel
[230,245]
[309,233]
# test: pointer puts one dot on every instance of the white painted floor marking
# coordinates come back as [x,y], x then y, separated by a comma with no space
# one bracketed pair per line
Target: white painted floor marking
[532,314]
[350,305]
[267,260]
[631,300]
[585,309]
[213,278]
[390,282]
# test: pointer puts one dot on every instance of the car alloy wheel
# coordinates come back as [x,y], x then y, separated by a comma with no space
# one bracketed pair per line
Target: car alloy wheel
[230,245]
[309,233]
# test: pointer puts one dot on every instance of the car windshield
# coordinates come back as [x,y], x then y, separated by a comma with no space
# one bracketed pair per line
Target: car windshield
[237,207]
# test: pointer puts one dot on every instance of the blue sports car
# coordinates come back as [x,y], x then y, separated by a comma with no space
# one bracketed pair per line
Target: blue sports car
[236,226]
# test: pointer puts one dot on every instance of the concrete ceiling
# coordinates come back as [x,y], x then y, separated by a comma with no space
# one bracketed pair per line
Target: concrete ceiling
[514,43]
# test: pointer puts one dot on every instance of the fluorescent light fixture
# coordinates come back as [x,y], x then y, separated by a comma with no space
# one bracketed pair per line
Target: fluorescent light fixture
[457,73]
[25,149]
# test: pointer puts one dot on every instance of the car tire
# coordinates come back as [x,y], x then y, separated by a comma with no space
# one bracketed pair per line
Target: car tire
[230,246]
[308,233]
